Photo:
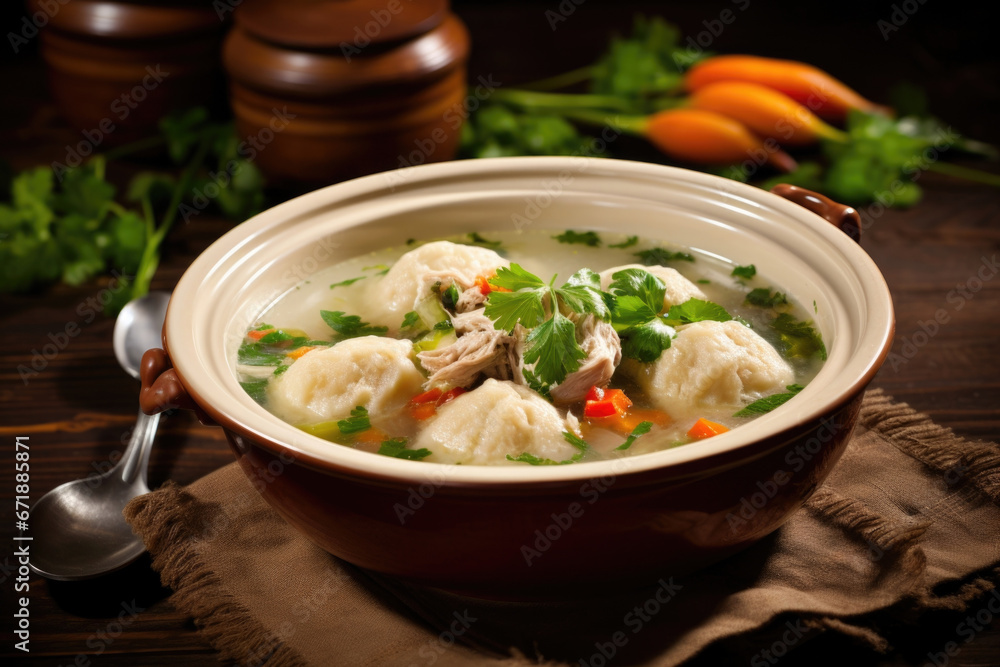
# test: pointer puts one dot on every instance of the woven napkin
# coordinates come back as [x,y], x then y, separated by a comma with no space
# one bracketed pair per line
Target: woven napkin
[908,520]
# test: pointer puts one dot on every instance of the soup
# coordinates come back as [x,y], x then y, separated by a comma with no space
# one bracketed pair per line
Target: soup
[528,348]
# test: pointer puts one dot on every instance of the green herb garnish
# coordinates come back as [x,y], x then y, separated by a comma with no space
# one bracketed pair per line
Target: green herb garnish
[627,243]
[281,369]
[444,325]
[582,238]
[257,389]
[798,339]
[641,429]
[349,326]
[765,298]
[764,405]
[661,256]
[356,423]
[576,441]
[349,281]
[696,310]
[257,354]
[410,320]
[449,297]
[636,315]
[396,447]
[747,272]
[380,269]
[476,239]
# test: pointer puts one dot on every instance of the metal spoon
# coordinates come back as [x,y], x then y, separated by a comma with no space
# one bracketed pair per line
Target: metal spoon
[77,528]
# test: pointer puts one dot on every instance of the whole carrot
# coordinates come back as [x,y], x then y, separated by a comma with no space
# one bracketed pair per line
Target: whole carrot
[807,85]
[766,111]
[706,137]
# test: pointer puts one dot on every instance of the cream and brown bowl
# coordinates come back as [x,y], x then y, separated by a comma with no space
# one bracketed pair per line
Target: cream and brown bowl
[525,531]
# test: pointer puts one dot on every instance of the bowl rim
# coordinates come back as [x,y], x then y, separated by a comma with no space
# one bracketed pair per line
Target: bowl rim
[346,461]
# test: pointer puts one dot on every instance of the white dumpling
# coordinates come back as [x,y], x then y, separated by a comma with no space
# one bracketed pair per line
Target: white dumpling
[679,288]
[410,279]
[327,384]
[498,418]
[712,365]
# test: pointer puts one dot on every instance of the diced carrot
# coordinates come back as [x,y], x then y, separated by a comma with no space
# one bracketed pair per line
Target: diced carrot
[258,334]
[706,429]
[614,402]
[422,411]
[595,393]
[450,395]
[299,352]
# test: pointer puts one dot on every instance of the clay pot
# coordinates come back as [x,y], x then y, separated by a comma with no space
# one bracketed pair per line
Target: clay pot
[325,90]
[116,68]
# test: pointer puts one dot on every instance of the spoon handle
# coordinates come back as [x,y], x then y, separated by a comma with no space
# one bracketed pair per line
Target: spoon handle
[136,457]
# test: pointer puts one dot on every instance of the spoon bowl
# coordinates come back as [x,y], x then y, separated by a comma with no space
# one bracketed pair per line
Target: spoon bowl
[77,528]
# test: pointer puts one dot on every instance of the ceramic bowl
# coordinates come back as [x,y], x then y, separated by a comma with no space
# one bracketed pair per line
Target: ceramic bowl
[525,531]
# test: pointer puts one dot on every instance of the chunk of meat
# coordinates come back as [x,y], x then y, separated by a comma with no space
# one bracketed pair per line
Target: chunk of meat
[480,349]
[604,352]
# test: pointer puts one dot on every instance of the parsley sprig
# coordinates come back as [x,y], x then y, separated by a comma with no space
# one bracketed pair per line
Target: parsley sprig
[552,348]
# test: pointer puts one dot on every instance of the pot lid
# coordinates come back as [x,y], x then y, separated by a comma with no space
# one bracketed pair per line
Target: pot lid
[132,20]
[328,23]
[305,74]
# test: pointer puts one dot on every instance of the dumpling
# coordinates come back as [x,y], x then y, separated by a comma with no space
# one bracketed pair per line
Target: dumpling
[712,365]
[410,279]
[327,384]
[498,418]
[679,288]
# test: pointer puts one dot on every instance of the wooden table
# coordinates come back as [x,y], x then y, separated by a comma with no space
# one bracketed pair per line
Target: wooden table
[78,410]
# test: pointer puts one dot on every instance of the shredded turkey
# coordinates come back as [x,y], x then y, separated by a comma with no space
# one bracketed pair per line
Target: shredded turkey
[480,349]
[604,352]
[470,299]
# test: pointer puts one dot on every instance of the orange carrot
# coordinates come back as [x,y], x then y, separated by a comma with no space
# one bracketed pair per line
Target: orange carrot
[766,111]
[299,352]
[257,334]
[705,429]
[612,402]
[808,85]
[625,424]
[706,137]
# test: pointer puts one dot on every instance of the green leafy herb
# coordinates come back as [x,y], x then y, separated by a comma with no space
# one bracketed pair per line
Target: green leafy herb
[696,310]
[497,131]
[765,298]
[661,256]
[703,281]
[476,239]
[396,447]
[535,384]
[349,281]
[257,389]
[410,320]
[576,441]
[582,238]
[356,423]
[380,269]
[263,327]
[281,369]
[764,405]
[449,297]
[636,315]
[747,272]
[444,325]
[641,429]
[551,342]
[627,243]
[350,326]
[257,354]
[798,339]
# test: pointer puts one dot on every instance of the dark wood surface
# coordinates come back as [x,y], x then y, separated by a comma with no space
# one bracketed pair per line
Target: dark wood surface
[80,407]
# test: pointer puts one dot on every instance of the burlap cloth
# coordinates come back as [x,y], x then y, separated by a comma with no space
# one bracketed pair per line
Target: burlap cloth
[909,520]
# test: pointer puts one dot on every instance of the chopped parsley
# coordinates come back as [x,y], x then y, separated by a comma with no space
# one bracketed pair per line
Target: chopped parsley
[765,298]
[627,243]
[476,239]
[552,348]
[356,423]
[747,272]
[641,429]
[636,315]
[257,354]
[764,405]
[582,238]
[410,320]
[444,325]
[660,256]
[281,369]
[349,326]
[381,269]
[798,339]
[576,441]
[703,281]
[449,297]
[696,310]
[396,447]
[349,281]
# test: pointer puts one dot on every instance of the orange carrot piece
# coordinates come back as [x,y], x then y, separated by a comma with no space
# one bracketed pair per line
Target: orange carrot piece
[706,429]
[300,352]
[257,335]
[613,403]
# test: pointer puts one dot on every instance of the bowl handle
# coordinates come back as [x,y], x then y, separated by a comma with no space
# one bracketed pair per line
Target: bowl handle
[845,218]
[162,389]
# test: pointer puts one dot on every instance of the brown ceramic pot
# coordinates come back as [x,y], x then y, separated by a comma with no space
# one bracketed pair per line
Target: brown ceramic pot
[116,68]
[331,90]
[526,531]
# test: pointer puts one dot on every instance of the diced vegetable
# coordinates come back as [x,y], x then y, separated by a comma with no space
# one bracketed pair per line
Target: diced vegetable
[258,334]
[299,352]
[704,428]
[612,402]
[625,424]
[424,406]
